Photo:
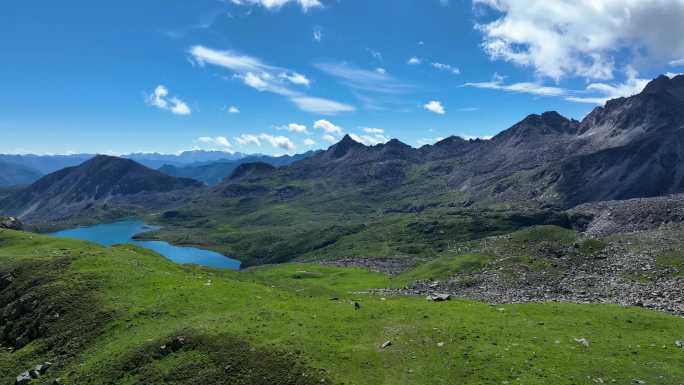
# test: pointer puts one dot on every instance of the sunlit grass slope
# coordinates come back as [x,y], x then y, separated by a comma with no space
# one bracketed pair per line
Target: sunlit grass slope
[297,324]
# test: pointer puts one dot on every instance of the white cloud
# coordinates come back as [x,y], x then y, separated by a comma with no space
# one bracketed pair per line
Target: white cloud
[672,74]
[309,142]
[329,138]
[233,110]
[275,4]
[228,59]
[583,38]
[446,67]
[371,130]
[297,79]
[246,139]
[266,78]
[381,70]
[321,105]
[360,79]
[677,63]
[424,141]
[160,98]
[369,140]
[318,34]
[328,127]
[523,87]
[435,106]
[594,93]
[633,85]
[219,141]
[374,88]
[294,127]
[414,61]
[282,142]
[473,137]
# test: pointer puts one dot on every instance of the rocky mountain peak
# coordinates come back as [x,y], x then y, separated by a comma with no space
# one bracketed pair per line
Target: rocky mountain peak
[666,86]
[535,126]
[343,147]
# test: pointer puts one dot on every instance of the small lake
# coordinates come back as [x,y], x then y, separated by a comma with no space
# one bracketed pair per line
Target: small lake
[122,232]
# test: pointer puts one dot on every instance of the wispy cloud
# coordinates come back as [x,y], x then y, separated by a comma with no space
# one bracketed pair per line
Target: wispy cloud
[294,127]
[362,79]
[276,4]
[318,34]
[371,130]
[160,98]
[677,63]
[594,93]
[606,91]
[321,105]
[446,67]
[497,83]
[218,141]
[233,110]
[414,61]
[374,88]
[377,55]
[256,74]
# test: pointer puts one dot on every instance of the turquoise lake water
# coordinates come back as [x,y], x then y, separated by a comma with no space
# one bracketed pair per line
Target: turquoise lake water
[122,232]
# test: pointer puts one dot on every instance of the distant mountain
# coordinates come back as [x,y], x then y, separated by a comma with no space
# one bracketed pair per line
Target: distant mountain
[212,173]
[156,160]
[15,175]
[103,182]
[46,164]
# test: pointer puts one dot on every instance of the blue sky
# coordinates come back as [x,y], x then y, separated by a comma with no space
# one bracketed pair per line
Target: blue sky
[287,76]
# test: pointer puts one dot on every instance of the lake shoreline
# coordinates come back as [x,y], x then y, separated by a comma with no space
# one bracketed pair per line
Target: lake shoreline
[133,231]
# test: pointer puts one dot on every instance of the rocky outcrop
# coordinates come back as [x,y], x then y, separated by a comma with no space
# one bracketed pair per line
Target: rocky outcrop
[10,223]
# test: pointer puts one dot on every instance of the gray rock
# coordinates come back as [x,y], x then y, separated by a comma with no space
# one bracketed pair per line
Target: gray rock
[386,344]
[10,223]
[23,379]
[438,297]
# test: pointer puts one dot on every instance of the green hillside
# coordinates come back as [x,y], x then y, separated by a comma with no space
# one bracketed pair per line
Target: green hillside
[114,316]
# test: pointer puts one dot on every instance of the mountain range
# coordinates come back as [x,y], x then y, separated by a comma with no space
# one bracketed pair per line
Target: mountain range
[391,198]
[45,164]
[16,175]
[212,173]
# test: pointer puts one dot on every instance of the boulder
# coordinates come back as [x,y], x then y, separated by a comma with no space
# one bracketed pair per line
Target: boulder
[23,379]
[10,223]
[438,297]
